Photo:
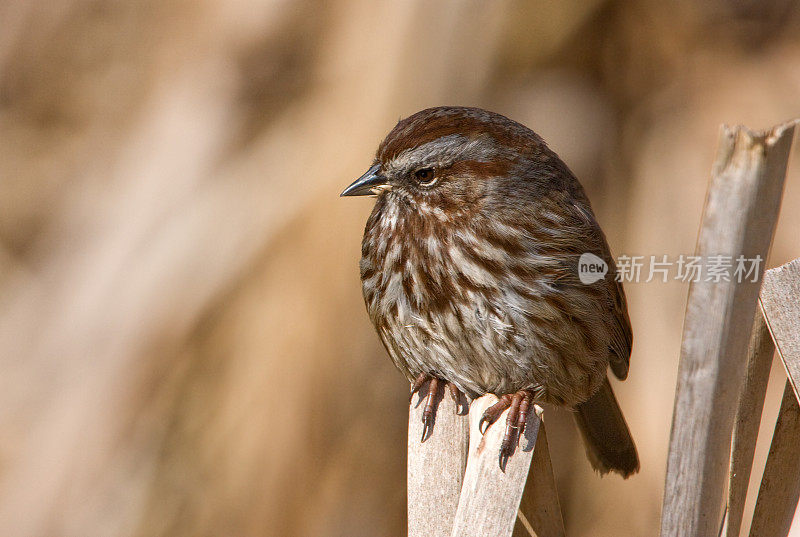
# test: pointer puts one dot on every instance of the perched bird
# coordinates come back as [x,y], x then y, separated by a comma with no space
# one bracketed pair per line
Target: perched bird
[469,269]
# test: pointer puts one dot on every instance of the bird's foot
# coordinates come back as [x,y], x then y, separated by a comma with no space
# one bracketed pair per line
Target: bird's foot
[432,399]
[519,405]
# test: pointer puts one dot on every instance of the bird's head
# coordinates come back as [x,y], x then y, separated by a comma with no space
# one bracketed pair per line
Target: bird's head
[446,159]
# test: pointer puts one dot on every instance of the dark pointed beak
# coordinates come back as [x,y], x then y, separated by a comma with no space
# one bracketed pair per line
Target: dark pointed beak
[369,183]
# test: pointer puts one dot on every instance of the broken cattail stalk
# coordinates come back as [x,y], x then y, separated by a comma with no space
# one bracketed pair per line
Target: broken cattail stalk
[436,466]
[780,485]
[739,219]
[748,419]
[460,492]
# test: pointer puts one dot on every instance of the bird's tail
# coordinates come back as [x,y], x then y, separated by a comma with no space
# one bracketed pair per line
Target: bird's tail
[608,441]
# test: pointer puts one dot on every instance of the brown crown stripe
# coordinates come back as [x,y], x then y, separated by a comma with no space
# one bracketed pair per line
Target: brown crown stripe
[433,123]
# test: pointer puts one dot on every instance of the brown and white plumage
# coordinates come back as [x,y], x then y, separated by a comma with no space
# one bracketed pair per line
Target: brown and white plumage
[469,271]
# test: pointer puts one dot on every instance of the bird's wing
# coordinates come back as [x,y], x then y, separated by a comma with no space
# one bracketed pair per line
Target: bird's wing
[620,327]
[618,322]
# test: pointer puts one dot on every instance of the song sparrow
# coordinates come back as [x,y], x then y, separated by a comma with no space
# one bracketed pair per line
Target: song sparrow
[470,275]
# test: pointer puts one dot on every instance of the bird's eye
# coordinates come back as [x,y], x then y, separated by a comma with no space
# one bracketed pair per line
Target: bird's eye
[425,177]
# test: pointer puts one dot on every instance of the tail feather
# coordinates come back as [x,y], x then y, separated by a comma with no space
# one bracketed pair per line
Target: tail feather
[609,445]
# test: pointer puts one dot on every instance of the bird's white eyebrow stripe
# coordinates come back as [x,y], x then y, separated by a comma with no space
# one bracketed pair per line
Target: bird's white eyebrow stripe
[443,150]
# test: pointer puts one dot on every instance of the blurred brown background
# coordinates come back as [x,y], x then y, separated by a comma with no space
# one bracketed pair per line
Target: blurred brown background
[183,345]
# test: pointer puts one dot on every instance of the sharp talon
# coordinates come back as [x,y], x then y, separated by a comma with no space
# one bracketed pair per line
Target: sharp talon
[484,421]
[431,403]
[503,460]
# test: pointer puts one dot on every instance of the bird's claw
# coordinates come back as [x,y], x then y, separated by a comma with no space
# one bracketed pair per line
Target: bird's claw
[427,426]
[503,459]
[518,405]
[484,424]
[432,400]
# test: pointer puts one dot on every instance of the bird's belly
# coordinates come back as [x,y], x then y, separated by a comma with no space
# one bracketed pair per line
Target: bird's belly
[485,339]
[485,346]
[466,343]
